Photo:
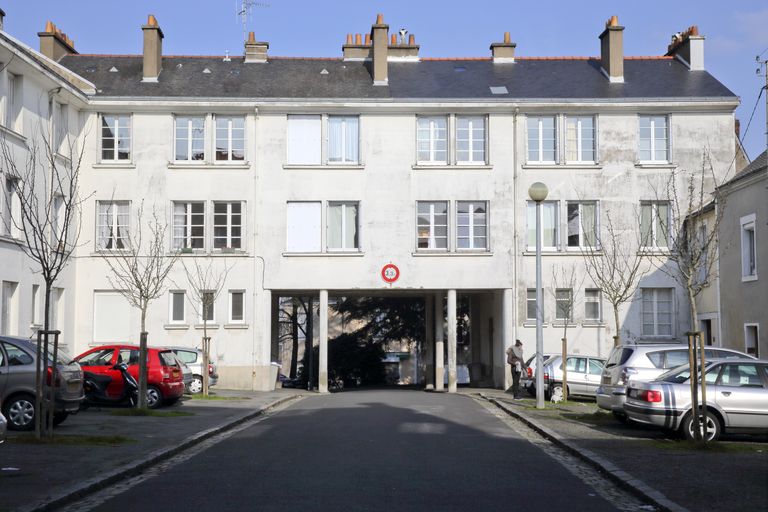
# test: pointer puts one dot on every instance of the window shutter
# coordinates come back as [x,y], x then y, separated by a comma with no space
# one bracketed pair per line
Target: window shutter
[304,230]
[304,141]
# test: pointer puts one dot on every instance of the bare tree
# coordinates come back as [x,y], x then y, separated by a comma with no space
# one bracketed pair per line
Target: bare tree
[615,265]
[206,283]
[139,268]
[45,223]
[565,279]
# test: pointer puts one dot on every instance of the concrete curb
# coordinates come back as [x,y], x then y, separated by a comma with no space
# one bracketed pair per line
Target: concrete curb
[609,469]
[91,485]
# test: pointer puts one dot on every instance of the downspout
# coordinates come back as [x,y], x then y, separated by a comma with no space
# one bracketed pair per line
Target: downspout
[719,341]
[514,223]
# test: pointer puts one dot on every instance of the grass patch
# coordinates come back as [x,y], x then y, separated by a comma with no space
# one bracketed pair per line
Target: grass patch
[70,440]
[710,447]
[150,412]
[217,397]
[593,418]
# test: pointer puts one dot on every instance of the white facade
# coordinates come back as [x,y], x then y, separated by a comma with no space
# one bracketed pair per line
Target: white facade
[287,249]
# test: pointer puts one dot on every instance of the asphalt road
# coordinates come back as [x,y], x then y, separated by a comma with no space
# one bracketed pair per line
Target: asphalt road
[367,451]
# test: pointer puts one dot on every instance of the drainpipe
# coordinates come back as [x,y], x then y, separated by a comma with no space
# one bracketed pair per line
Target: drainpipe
[514,230]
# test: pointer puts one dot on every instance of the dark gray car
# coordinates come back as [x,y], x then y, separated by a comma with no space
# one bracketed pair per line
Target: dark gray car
[17,384]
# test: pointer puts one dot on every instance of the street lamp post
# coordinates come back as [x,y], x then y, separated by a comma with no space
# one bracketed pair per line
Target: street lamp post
[538,193]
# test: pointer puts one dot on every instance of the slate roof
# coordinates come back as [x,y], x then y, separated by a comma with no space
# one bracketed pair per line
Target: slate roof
[759,164]
[430,79]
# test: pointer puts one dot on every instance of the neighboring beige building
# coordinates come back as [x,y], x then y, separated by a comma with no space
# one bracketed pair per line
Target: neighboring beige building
[743,273]
[313,176]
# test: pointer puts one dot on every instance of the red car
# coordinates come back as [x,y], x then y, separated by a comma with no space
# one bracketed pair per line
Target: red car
[165,383]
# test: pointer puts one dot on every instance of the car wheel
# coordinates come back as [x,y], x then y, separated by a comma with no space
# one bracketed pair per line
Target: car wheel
[59,417]
[196,386]
[154,397]
[714,428]
[20,411]
[621,417]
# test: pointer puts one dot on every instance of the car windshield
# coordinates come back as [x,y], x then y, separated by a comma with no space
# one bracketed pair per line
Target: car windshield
[619,356]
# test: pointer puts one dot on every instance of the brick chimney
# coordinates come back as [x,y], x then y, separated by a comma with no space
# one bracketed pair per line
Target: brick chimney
[255,51]
[612,50]
[54,43]
[153,49]
[688,47]
[356,49]
[379,34]
[503,53]
[401,51]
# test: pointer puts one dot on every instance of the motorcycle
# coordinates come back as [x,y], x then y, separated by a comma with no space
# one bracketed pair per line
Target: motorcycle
[95,388]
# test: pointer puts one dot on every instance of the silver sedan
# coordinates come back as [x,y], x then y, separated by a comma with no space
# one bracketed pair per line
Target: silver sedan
[737,399]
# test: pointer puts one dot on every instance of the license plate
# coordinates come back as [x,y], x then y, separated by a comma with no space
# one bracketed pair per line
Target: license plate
[73,386]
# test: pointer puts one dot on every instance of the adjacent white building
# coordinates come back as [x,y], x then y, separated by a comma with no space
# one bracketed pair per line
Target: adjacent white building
[313,176]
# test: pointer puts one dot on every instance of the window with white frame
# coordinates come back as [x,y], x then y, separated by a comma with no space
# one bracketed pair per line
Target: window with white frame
[304,140]
[60,125]
[116,137]
[227,225]
[470,140]
[343,139]
[531,305]
[190,138]
[112,225]
[207,307]
[654,139]
[564,304]
[654,224]
[177,310]
[657,311]
[580,139]
[432,225]
[230,138]
[748,247]
[752,339]
[542,141]
[582,223]
[592,305]
[236,306]
[342,229]
[36,305]
[303,223]
[13,102]
[549,225]
[58,237]
[432,140]
[189,225]
[472,225]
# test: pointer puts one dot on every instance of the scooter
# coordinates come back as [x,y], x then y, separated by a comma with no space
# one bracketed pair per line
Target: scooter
[95,388]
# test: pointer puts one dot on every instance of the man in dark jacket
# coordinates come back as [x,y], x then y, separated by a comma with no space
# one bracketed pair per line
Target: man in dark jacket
[515,360]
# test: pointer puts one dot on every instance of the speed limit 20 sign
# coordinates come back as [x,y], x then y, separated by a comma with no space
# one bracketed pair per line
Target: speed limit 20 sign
[390,273]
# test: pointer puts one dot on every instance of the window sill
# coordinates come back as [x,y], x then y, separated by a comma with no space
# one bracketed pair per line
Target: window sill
[529,324]
[593,324]
[441,254]
[562,325]
[35,327]
[323,167]
[11,239]
[654,251]
[350,254]
[212,327]
[453,167]
[551,252]
[208,165]
[13,134]
[176,327]
[236,326]
[106,253]
[564,166]
[655,165]
[748,279]
[113,165]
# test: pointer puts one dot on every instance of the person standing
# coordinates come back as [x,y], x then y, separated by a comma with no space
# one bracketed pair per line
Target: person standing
[515,360]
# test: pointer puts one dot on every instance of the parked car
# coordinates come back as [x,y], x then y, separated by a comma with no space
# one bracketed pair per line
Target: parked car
[3,427]
[17,383]
[631,363]
[165,383]
[186,373]
[528,379]
[737,399]
[583,374]
[194,359]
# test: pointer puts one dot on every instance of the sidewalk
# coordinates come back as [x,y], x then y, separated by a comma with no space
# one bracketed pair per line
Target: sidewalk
[732,476]
[33,474]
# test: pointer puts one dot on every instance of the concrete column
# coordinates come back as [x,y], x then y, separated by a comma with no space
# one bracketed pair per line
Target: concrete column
[439,361]
[507,333]
[452,341]
[322,382]
[263,348]
[429,342]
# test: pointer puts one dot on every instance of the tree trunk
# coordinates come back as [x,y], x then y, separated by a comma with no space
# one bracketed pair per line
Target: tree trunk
[39,366]
[294,339]
[142,401]
[617,337]
[206,348]
[564,365]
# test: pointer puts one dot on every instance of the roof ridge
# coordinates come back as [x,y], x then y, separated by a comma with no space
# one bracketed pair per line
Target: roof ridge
[278,57]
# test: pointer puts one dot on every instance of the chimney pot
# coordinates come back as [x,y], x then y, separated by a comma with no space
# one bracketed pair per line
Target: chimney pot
[394,39]
[688,46]
[507,38]
[379,19]
[349,38]
[54,44]
[358,39]
[367,39]
[612,50]
[412,40]
[49,26]
[251,37]
[151,20]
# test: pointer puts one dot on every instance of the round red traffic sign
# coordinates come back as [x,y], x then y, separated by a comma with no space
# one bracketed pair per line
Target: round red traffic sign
[390,273]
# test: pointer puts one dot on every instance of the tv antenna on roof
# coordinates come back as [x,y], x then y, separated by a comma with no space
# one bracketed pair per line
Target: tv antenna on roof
[245,12]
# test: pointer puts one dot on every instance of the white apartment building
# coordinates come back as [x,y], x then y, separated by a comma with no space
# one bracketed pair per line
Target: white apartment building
[314,176]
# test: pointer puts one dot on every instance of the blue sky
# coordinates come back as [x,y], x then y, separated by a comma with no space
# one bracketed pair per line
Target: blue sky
[735,31]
